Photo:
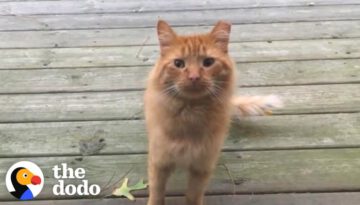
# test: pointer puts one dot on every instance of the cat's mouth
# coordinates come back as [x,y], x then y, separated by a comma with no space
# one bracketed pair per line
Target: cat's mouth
[194,90]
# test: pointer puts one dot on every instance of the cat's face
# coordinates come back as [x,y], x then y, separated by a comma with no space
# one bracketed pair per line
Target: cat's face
[194,66]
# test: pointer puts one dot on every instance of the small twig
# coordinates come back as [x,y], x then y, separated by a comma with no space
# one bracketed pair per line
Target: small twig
[142,46]
[118,181]
[107,185]
[231,177]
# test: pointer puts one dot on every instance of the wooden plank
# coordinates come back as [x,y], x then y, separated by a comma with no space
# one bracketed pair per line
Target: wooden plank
[147,55]
[111,6]
[115,6]
[123,137]
[206,17]
[237,172]
[128,105]
[26,0]
[146,36]
[125,78]
[346,198]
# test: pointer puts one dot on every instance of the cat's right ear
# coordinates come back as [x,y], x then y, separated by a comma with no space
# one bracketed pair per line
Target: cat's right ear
[165,34]
[221,34]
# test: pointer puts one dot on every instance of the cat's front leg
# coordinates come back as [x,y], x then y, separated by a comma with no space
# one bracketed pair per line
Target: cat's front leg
[198,180]
[158,176]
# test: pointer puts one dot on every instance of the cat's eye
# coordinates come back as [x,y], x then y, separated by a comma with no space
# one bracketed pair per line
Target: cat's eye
[179,63]
[208,62]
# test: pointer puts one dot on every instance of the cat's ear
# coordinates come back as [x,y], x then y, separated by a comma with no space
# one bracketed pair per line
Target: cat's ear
[165,34]
[221,34]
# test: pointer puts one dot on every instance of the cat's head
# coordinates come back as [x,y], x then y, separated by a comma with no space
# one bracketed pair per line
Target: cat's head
[194,66]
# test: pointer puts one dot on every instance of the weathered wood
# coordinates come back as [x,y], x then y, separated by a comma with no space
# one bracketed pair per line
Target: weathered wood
[116,6]
[146,36]
[237,172]
[147,55]
[291,151]
[128,105]
[206,17]
[125,78]
[124,137]
[345,198]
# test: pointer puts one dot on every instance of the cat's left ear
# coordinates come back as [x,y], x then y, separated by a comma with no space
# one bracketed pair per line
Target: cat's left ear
[221,34]
[165,34]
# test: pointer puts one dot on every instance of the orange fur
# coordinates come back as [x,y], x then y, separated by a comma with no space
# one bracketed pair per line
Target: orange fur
[188,106]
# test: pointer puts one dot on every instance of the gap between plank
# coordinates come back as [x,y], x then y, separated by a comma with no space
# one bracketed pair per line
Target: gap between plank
[154,44]
[143,89]
[145,152]
[139,118]
[183,25]
[129,66]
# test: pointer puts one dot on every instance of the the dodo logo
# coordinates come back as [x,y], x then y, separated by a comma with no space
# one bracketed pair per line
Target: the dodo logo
[24,180]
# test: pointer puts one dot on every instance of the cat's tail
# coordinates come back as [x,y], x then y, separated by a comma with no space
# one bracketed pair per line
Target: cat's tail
[255,105]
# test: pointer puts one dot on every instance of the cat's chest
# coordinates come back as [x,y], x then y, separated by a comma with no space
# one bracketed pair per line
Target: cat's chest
[190,120]
[191,114]
[185,151]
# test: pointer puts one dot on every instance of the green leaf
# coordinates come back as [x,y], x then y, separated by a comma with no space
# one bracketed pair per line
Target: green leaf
[125,190]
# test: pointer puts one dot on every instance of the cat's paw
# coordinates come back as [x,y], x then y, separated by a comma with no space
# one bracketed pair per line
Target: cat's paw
[256,105]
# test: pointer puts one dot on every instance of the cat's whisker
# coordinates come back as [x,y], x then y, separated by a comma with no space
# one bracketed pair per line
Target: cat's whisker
[169,90]
[214,95]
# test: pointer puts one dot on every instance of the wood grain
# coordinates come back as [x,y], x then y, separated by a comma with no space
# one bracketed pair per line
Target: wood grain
[147,55]
[124,137]
[134,78]
[32,7]
[237,172]
[206,17]
[146,36]
[128,105]
[346,198]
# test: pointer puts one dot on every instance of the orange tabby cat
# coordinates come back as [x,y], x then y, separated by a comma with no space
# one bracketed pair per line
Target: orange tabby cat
[188,107]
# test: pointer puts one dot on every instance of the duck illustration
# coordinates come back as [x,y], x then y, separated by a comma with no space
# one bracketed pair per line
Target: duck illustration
[20,178]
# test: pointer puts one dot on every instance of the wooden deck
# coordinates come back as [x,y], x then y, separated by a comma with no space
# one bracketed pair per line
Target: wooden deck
[72,76]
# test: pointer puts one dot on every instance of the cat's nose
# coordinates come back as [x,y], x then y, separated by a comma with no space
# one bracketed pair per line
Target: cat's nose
[194,77]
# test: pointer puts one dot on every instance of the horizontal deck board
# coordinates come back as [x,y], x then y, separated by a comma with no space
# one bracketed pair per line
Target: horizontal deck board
[125,78]
[128,105]
[115,6]
[206,17]
[146,36]
[72,72]
[147,55]
[237,172]
[346,198]
[124,137]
